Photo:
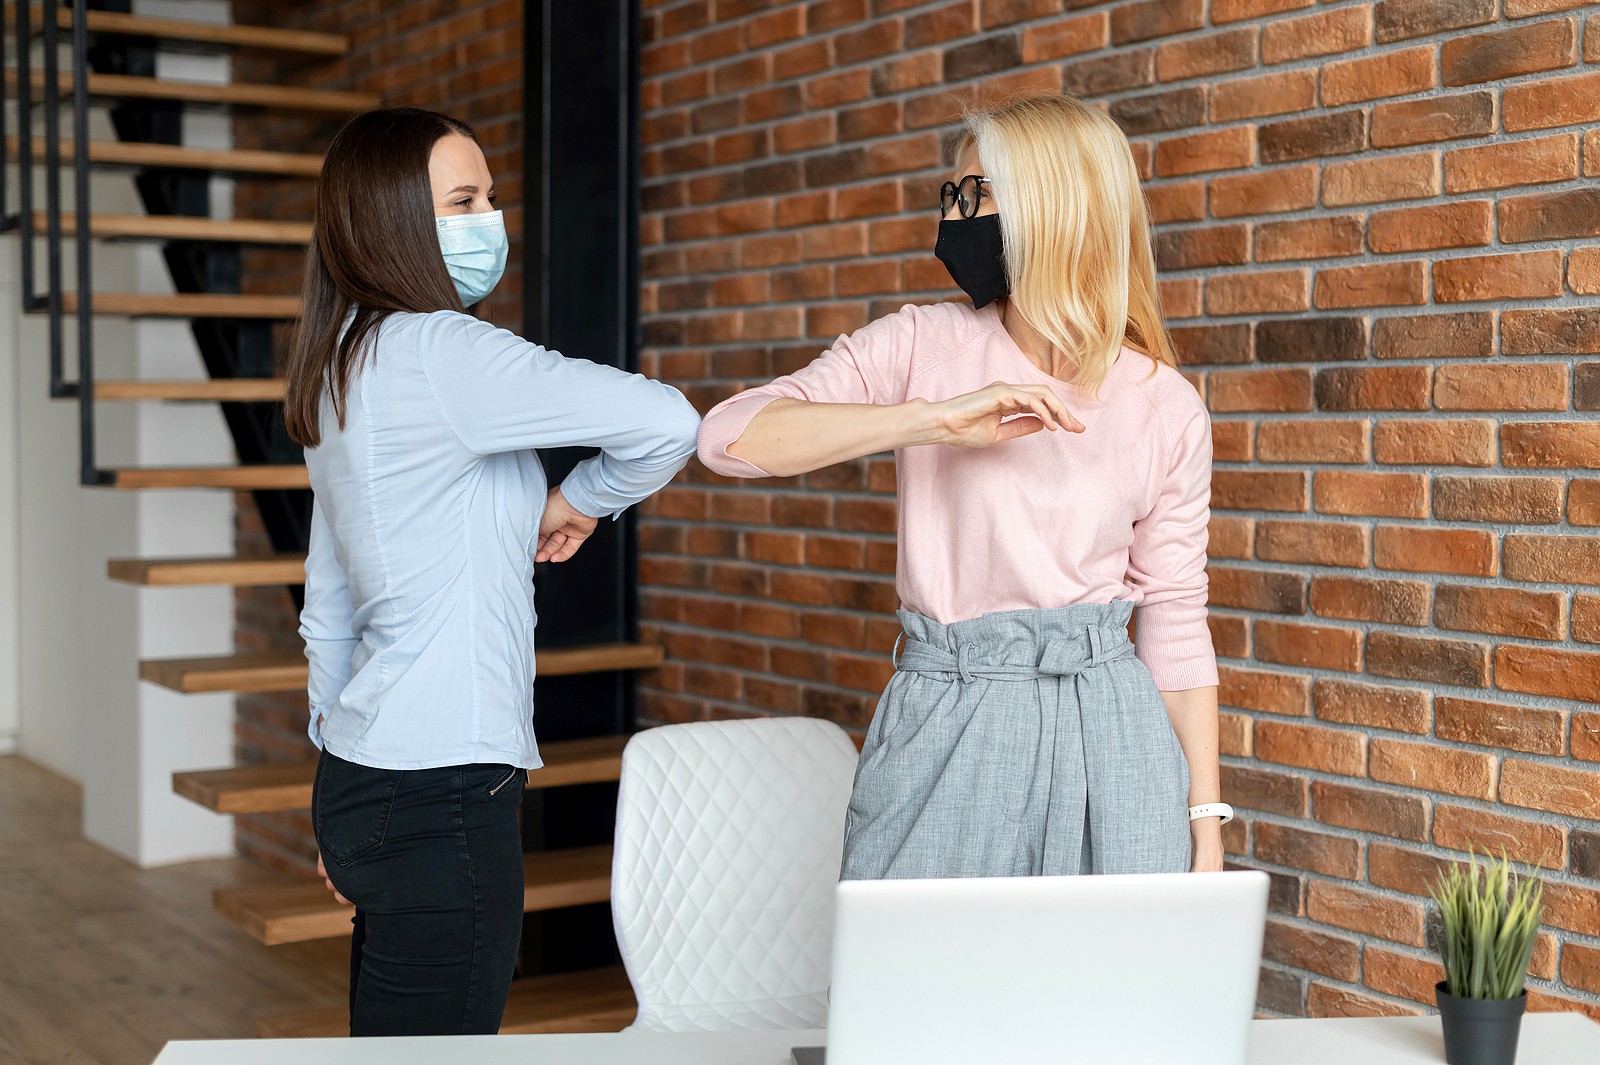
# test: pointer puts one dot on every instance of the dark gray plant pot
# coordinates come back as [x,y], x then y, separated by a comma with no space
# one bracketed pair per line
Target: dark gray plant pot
[1480,1031]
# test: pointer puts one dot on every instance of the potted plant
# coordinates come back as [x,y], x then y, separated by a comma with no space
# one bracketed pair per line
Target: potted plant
[1490,919]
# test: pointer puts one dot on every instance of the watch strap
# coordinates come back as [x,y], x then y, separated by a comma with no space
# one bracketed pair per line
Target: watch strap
[1212,809]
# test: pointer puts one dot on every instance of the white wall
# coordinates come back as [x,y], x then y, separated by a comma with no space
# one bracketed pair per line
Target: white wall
[80,708]
[10,504]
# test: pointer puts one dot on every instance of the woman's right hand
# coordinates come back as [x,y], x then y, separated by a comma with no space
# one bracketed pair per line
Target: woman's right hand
[562,529]
[976,419]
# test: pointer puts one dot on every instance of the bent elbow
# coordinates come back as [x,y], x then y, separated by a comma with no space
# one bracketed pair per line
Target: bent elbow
[684,430]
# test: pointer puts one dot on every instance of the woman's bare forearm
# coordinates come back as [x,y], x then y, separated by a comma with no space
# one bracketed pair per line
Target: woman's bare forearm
[792,436]
[1194,719]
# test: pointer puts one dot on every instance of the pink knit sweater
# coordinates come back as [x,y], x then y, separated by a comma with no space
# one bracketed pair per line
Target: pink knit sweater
[1118,511]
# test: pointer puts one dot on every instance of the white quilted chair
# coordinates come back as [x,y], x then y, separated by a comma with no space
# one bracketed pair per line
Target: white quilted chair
[729,837]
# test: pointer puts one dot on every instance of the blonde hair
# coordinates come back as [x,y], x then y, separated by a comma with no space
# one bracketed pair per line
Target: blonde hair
[1076,233]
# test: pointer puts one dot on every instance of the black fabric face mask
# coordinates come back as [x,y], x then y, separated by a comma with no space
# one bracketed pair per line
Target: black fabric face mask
[972,251]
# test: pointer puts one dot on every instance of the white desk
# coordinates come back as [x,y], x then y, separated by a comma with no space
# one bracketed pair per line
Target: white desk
[1547,1039]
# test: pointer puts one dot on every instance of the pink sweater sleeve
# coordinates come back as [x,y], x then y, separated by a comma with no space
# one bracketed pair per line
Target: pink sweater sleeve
[856,369]
[1167,559]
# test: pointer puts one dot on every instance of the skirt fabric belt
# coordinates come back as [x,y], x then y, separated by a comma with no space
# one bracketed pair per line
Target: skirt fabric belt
[1027,742]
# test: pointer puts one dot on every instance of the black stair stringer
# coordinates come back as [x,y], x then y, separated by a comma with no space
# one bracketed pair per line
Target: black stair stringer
[229,348]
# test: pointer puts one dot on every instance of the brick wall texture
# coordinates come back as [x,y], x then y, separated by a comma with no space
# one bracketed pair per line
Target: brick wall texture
[1379,237]
[463,57]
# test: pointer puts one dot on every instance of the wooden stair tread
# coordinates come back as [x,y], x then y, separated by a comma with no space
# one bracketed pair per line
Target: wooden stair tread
[230,35]
[168,572]
[228,389]
[255,789]
[181,227]
[187,305]
[219,160]
[236,673]
[287,670]
[591,1000]
[301,910]
[236,477]
[275,97]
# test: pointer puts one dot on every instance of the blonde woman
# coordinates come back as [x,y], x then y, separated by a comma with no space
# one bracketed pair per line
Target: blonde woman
[1054,476]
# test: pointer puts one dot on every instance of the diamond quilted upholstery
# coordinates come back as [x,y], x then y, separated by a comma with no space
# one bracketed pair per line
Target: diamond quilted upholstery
[729,836]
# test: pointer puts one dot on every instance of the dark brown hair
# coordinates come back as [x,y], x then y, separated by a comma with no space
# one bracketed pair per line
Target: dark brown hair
[374,250]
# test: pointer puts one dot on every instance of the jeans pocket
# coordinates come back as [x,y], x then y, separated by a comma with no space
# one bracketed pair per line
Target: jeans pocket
[504,784]
[350,807]
[501,784]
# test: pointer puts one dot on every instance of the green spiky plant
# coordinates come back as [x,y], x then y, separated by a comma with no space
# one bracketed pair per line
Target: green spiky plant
[1491,918]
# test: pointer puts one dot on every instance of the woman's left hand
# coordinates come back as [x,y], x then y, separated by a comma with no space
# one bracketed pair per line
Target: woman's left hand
[562,530]
[1206,835]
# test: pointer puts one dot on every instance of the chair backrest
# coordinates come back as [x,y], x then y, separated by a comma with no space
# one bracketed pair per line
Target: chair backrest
[729,837]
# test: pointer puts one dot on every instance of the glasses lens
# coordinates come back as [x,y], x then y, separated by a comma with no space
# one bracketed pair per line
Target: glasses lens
[947,197]
[969,194]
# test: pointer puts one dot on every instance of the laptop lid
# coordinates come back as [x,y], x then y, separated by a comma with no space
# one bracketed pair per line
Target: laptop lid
[1134,970]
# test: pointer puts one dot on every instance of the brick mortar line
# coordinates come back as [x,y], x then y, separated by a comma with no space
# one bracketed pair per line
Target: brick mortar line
[1452,692]
[1364,836]
[1018,29]
[1303,214]
[1154,137]
[1562,935]
[786,642]
[848,494]
[1312,775]
[827,609]
[863,576]
[746,709]
[1445,688]
[871,576]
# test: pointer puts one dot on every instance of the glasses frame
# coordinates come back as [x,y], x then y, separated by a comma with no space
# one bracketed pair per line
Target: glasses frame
[951,195]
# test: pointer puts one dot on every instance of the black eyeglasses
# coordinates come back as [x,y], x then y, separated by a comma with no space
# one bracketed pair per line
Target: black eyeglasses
[968,194]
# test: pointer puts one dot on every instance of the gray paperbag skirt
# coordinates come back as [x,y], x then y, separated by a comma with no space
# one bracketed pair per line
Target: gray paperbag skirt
[1020,743]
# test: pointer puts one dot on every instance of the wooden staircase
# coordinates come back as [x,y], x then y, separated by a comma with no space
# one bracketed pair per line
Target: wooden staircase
[231,162]
[302,910]
[593,1000]
[256,789]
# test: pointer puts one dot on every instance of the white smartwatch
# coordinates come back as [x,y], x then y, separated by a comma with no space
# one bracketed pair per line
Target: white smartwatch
[1212,809]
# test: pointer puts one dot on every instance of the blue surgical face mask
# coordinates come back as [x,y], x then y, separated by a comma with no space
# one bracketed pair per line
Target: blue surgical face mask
[474,247]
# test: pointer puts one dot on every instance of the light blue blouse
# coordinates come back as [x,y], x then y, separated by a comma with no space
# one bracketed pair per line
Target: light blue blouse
[419,614]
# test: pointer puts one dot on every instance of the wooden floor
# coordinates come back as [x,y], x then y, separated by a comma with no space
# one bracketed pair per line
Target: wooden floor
[103,962]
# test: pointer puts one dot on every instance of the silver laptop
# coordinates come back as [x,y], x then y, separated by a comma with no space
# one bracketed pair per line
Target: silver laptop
[1131,970]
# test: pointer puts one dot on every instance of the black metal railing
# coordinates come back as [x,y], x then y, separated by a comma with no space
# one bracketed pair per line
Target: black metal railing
[53,301]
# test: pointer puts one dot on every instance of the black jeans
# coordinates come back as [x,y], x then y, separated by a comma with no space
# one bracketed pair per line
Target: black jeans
[432,858]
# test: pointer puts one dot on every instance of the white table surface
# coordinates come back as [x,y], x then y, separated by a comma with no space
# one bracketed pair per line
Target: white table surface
[1547,1039]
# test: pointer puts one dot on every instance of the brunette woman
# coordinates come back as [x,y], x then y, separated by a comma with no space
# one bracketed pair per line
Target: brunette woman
[1054,474]
[419,423]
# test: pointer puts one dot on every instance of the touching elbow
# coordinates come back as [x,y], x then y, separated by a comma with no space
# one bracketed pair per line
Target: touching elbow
[685,430]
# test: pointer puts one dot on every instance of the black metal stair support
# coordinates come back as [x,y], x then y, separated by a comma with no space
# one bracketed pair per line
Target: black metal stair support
[229,348]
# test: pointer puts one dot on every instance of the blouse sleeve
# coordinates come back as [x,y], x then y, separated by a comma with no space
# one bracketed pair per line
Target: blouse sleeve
[1167,562]
[868,366]
[502,393]
[325,623]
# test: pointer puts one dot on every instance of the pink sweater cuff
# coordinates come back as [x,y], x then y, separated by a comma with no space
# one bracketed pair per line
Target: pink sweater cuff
[725,424]
[1174,643]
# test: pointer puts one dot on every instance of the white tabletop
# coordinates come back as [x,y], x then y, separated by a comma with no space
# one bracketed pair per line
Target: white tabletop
[1547,1039]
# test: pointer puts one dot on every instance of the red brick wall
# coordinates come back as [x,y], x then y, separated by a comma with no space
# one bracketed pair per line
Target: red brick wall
[1379,259]
[463,58]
